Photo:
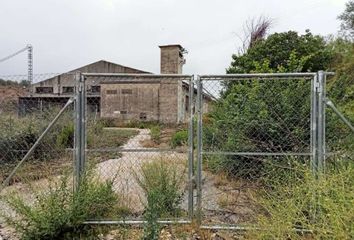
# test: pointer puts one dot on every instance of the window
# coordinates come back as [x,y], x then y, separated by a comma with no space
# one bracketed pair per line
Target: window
[142,116]
[44,89]
[187,103]
[96,89]
[68,89]
[110,91]
[127,91]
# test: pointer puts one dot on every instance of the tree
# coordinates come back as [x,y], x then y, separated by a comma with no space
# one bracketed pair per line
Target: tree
[283,52]
[347,18]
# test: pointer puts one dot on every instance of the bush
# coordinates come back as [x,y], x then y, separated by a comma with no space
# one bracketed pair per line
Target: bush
[161,182]
[180,138]
[60,212]
[322,205]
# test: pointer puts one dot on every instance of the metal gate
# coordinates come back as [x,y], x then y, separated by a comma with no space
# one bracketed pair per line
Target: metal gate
[250,128]
[140,111]
[241,129]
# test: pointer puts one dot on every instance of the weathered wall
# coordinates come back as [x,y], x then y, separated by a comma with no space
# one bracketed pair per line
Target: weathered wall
[171,59]
[141,104]
[68,79]
[161,100]
[168,101]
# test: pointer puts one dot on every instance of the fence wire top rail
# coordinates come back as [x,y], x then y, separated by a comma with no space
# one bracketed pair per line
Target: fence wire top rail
[136,75]
[261,75]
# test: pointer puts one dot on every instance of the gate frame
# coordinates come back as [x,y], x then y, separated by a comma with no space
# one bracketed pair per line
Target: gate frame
[81,142]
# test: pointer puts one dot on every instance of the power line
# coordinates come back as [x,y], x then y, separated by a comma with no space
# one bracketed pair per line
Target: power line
[28,48]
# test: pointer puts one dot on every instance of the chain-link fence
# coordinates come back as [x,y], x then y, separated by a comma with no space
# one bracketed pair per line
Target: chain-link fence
[169,150]
[256,131]
[255,126]
[36,140]
[130,125]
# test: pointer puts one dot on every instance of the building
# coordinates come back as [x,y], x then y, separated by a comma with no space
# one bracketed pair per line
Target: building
[142,96]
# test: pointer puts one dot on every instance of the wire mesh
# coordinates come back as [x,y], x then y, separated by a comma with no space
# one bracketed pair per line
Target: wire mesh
[131,122]
[255,130]
[25,117]
[339,136]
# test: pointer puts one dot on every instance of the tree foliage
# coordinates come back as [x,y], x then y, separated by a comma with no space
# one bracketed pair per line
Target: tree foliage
[283,52]
[347,18]
[340,89]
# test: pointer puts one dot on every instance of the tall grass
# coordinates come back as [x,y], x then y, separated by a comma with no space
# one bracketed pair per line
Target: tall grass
[323,206]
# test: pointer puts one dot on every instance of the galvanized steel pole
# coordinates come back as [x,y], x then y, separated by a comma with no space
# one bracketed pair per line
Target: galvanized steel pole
[321,122]
[199,149]
[191,149]
[313,133]
[80,130]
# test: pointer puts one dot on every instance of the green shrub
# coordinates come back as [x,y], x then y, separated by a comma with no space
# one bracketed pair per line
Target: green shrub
[161,182]
[66,136]
[155,132]
[180,138]
[60,212]
[323,205]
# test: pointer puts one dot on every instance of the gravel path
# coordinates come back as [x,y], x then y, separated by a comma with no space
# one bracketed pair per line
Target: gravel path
[125,168]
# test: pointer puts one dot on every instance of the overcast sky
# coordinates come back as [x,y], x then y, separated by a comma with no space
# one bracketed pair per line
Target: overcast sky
[67,34]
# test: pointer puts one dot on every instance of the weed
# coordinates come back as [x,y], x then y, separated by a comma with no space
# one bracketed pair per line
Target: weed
[155,132]
[161,182]
[180,138]
[60,212]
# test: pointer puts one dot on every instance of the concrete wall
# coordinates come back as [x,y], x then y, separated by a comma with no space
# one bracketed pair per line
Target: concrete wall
[142,103]
[156,99]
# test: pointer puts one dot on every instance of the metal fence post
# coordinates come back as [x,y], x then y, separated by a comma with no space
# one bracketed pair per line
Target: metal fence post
[199,150]
[191,148]
[313,134]
[80,127]
[321,141]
